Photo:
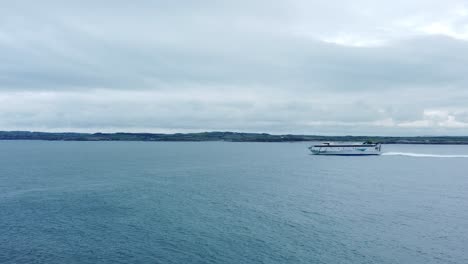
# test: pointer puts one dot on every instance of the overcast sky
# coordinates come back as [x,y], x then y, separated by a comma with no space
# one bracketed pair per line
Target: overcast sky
[300,67]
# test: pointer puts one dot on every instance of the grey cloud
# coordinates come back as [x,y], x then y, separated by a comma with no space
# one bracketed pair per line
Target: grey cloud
[265,66]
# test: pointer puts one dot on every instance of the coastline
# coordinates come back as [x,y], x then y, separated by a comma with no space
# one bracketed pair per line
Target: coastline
[226,137]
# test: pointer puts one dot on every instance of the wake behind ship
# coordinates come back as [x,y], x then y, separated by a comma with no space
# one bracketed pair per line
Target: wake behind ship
[362,149]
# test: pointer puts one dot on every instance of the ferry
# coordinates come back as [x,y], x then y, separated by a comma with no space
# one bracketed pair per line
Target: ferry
[354,149]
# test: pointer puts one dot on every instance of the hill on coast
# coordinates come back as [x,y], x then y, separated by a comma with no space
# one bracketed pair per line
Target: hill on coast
[223,136]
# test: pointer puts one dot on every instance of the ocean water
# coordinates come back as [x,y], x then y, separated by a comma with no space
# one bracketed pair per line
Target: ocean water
[219,202]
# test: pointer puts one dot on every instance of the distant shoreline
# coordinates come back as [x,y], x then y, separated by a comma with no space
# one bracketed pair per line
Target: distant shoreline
[225,136]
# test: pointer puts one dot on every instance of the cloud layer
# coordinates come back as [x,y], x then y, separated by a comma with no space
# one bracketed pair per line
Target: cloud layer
[366,67]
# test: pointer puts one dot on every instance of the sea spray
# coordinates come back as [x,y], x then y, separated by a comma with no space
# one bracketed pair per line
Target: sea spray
[409,154]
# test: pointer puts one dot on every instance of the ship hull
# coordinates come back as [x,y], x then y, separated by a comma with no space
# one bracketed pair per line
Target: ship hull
[346,154]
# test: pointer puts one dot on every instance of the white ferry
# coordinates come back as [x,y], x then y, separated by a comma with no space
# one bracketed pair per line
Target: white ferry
[360,149]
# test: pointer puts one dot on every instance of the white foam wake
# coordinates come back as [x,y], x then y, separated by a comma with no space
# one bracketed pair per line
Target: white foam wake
[409,154]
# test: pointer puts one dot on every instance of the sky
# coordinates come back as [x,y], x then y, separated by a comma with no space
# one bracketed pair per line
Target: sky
[361,67]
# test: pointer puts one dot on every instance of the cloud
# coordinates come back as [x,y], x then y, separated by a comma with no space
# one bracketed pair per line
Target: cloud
[280,67]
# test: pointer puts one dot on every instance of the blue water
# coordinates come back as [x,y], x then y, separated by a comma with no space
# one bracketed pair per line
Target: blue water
[216,202]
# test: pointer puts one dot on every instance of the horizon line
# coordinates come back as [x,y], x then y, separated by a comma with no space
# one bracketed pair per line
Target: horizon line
[220,131]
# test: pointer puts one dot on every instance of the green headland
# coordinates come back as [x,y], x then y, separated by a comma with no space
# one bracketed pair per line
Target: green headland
[224,136]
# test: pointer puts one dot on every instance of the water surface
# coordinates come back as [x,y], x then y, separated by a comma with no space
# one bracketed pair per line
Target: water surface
[218,202]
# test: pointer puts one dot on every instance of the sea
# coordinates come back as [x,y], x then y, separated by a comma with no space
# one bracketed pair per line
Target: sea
[225,202]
